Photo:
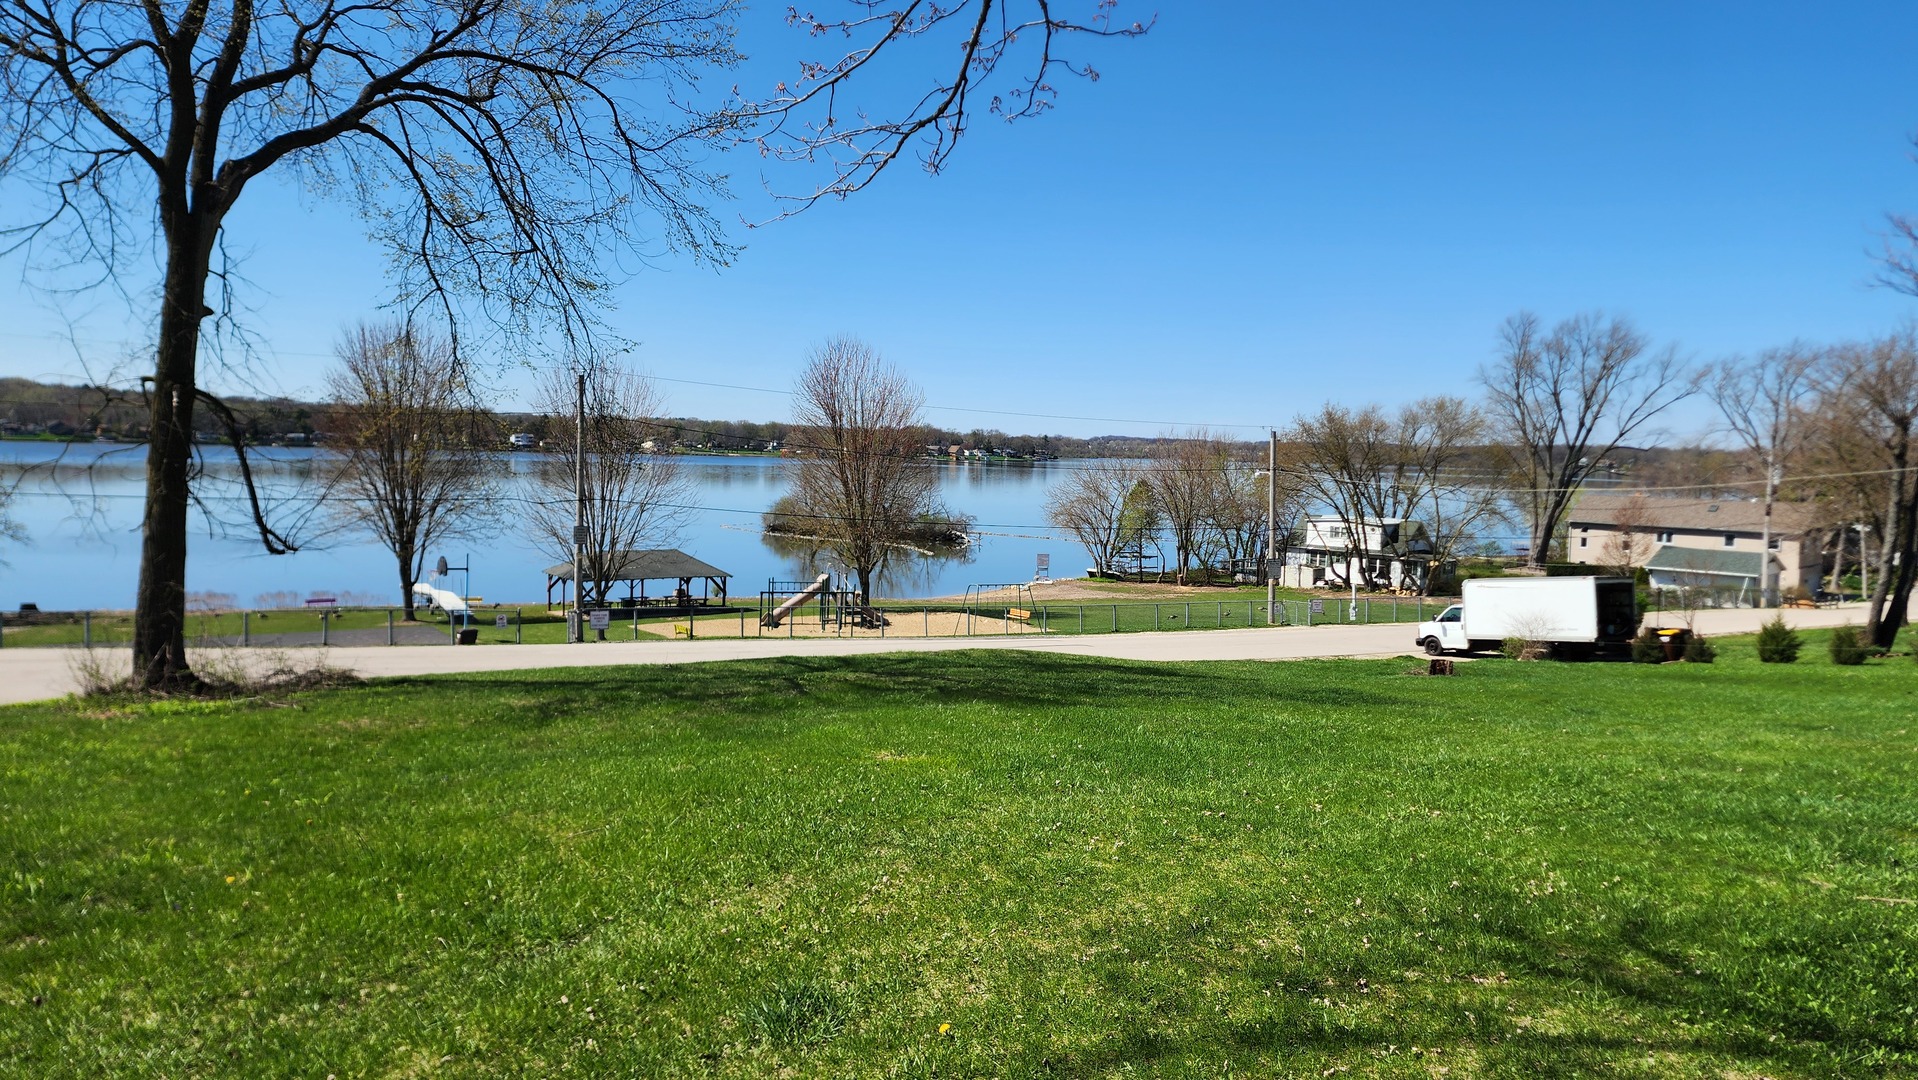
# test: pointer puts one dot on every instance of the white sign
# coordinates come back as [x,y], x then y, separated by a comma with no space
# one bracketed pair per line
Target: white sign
[1045,565]
[499,621]
[1318,607]
[602,618]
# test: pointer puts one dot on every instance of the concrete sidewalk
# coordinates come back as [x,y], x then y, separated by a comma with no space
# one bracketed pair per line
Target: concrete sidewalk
[38,674]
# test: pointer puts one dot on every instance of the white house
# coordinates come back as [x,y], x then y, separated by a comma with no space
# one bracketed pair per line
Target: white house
[1391,553]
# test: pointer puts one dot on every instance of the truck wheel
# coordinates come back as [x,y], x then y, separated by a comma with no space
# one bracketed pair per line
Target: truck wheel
[1433,648]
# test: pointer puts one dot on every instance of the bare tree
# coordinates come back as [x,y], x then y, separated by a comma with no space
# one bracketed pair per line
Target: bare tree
[1090,503]
[861,473]
[1368,467]
[1631,541]
[1437,439]
[1568,399]
[1868,418]
[633,495]
[413,444]
[1344,457]
[1762,401]
[1187,474]
[500,152]
[1238,514]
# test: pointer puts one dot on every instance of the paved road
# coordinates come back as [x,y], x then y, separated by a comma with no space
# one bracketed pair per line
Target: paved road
[38,674]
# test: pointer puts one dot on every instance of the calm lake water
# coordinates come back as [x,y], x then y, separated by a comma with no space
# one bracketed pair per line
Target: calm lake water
[81,507]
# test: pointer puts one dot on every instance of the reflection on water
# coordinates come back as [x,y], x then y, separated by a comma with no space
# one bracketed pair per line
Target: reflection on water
[81,506]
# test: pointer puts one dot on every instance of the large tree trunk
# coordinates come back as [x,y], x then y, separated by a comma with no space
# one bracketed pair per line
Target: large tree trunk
[1892,597]
[405,554]
[159,617]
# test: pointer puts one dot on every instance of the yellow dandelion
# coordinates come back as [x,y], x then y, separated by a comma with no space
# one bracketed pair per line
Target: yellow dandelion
[229,879]
[945,1029]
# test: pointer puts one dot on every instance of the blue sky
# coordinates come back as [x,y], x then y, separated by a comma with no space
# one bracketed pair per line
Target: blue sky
[1259,207]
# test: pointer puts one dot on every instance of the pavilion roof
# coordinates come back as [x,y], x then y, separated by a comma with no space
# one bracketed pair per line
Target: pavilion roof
[647,565]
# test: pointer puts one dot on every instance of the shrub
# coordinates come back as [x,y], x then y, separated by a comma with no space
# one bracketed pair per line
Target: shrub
[1518,648]
[1698,650]
[1778,643]
[1848,646]
[1646,648]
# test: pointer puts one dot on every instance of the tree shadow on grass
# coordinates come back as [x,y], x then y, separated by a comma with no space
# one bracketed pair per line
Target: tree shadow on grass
[1010,679]
[1291,1032]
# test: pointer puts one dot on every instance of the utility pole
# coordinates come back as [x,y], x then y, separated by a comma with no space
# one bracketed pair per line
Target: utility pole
[1767,587]
[577,631]
[1271,529]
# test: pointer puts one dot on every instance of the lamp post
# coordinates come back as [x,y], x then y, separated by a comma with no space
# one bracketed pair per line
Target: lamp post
[1767,585]
[1271,529]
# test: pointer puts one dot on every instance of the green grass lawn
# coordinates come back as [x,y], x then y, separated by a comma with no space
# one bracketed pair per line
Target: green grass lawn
[975,864]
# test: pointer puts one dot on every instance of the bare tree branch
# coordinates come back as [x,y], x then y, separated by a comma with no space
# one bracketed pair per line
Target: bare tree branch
[802,120]
[415,465]
[635,496]
[862,479]
[1567,400]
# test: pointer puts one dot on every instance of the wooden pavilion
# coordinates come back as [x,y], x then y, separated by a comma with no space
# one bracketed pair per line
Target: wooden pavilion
[635,569]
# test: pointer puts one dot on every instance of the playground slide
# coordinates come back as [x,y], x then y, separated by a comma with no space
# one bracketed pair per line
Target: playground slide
[778,614]
[444,599]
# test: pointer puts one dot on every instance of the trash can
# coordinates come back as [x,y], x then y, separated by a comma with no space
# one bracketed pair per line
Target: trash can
[468,635]
[1673,641]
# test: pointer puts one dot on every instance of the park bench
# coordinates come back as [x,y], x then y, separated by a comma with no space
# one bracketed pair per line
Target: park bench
[1019,613]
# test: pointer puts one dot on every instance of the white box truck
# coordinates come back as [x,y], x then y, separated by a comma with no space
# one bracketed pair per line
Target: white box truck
[1573,614]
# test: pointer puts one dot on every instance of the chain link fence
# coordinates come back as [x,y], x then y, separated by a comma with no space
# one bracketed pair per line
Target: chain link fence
[504,625]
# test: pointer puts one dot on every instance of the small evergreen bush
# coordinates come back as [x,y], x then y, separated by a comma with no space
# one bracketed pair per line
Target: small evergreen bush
[1646,648]
[1848,646]
[1698,650]
[1778,643]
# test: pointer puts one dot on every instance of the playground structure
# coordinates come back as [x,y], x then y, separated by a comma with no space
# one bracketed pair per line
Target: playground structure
[455,605]
[1134,563]
[838,607]
[1015,607]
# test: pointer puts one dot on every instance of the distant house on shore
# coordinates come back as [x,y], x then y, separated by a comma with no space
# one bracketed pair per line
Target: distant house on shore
[1390,553]
[1693,543]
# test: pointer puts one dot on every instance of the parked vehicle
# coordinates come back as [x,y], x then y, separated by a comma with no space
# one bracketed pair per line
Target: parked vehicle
[1571,614]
